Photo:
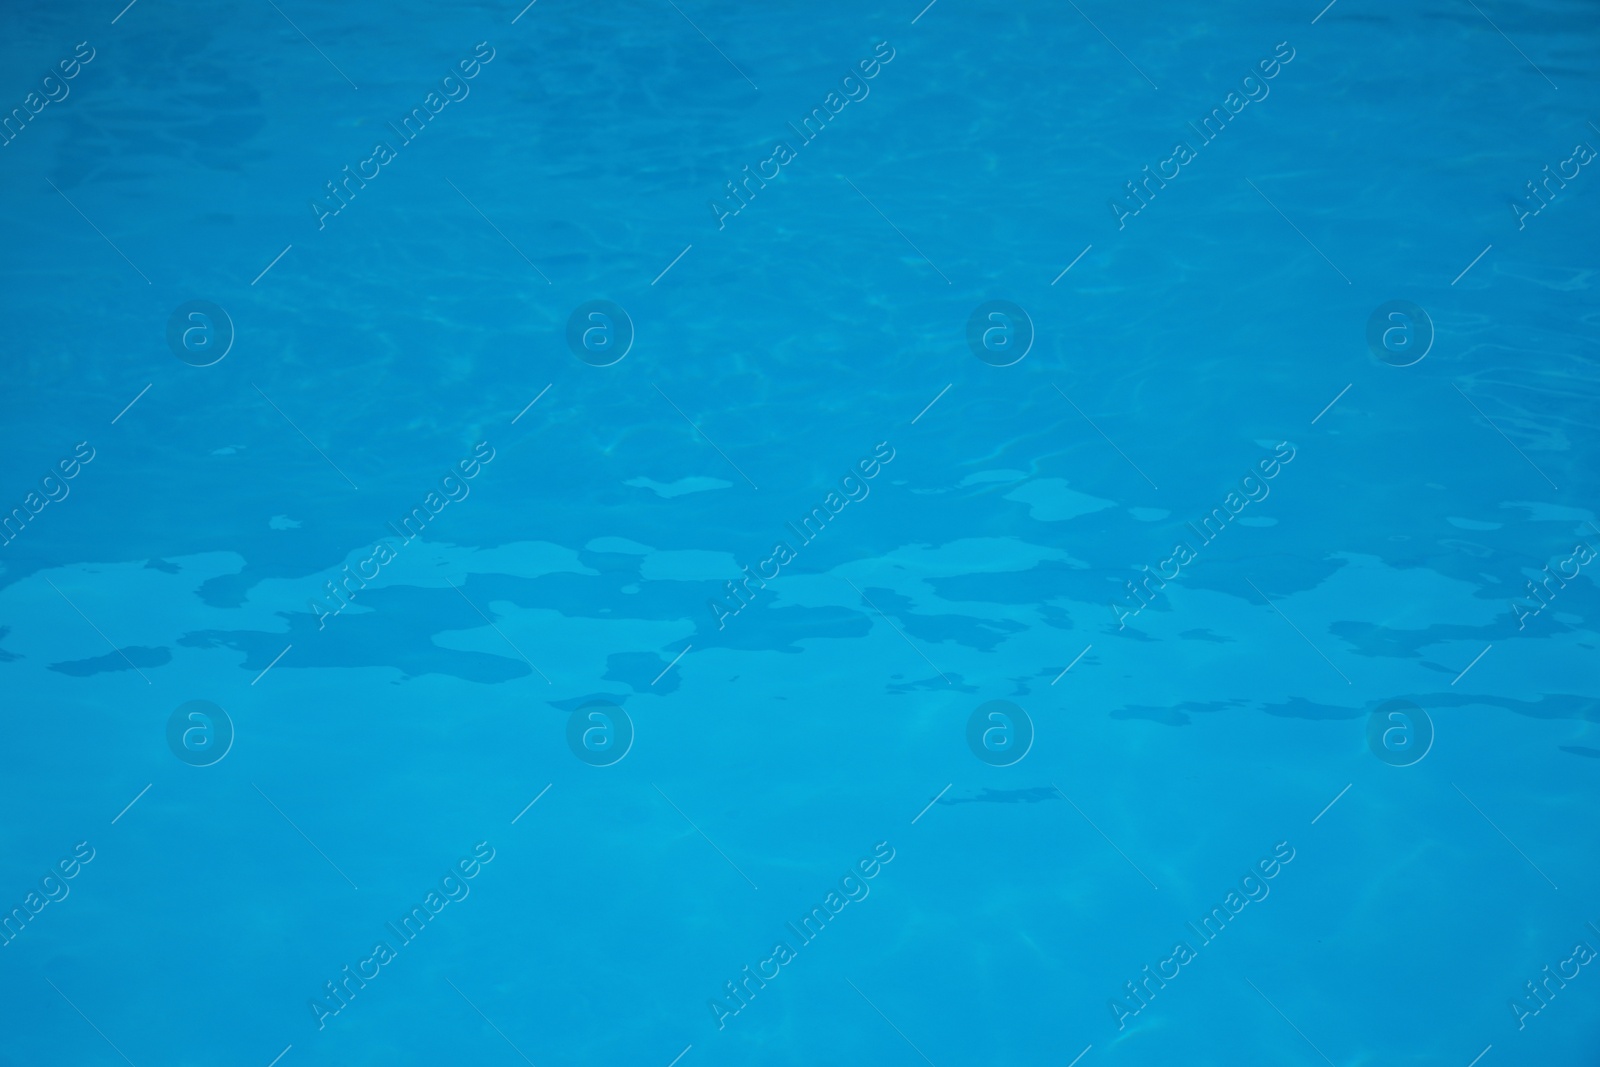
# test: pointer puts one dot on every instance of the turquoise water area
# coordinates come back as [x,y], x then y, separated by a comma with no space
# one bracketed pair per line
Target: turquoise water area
[687,533]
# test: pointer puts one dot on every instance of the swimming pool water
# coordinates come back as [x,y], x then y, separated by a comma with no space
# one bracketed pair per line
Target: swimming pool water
[695,533]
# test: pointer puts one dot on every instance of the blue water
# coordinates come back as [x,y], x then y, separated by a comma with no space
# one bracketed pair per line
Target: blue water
[1321,788]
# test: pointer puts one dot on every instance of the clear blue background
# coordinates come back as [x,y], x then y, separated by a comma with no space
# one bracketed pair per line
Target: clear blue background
[815,724]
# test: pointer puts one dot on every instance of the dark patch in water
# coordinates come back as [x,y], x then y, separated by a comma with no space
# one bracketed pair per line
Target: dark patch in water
[397,632]
[637,669]
[1301,708]
[1173,716]
[137,656]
